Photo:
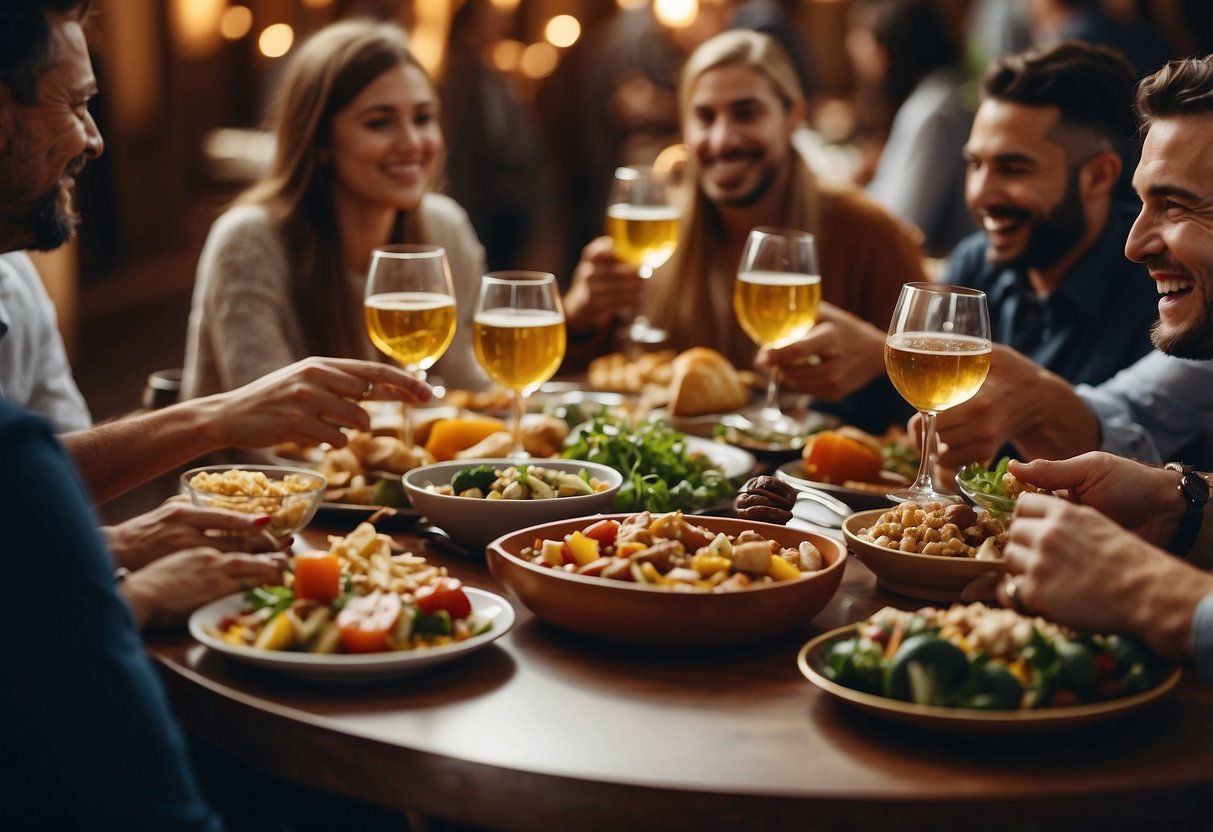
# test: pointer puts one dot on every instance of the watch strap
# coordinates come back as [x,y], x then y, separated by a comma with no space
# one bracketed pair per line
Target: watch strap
[1195,492]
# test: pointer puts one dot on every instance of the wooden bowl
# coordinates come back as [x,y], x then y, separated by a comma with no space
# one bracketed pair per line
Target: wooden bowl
[653,617]
[927,577]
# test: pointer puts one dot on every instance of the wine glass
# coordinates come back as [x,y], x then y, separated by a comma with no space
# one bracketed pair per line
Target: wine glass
[938,355]
[409,310]
[642,221]
[776,298]
[519,336]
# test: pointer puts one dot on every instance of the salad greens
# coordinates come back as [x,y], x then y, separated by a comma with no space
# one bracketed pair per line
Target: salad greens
[658,473]
[975,476]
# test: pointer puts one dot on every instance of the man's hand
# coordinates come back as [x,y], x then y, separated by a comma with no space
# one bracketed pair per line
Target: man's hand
[603,286]
[165,592]
[1020,402]
[306,402]
[842,353]
[1078,568]
[177,524]
[1141,498]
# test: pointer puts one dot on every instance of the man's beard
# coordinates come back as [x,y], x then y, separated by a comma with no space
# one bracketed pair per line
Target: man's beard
[1195,342]
[1053,236]
[50,222]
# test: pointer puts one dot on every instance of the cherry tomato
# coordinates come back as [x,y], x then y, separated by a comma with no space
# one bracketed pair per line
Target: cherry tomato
[444,594]
[365,622]
[318,577]
[604,531]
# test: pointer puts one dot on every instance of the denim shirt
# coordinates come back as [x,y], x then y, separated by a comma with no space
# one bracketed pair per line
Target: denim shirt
[1202,638]
[1096,322]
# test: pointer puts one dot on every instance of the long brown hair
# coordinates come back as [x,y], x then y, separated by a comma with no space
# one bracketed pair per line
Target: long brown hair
[683,289]
[325,74]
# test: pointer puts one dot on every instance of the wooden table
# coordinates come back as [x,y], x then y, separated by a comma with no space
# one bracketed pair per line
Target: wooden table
[543,730]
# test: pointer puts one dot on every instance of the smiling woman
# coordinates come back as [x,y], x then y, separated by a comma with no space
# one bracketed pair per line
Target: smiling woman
[358,150]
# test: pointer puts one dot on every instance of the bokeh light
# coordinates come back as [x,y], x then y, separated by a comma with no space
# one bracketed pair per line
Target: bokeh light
[562,30]
[276,40]
[236,22]
[539,60]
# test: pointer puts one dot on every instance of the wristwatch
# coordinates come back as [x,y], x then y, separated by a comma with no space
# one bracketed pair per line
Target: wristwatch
[1195,491]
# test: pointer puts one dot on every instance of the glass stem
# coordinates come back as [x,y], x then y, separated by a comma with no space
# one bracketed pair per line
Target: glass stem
[926,467]
[406,424]
[771,414]
[518,406]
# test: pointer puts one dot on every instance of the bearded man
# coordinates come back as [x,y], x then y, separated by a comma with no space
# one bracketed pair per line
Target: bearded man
[1048,147]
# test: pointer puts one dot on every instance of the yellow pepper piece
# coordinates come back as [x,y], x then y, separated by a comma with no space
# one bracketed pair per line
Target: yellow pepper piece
[276,635]
[781,570]
[584,549]
[629,548]
[650,574]
[708,565]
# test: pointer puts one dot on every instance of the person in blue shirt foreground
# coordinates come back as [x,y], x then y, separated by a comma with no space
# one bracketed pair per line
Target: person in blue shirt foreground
[1100,560]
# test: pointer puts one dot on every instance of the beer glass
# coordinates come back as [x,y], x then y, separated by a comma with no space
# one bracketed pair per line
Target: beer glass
[938,355]
[519,336]
[776,298]
[642,221]
[409,310]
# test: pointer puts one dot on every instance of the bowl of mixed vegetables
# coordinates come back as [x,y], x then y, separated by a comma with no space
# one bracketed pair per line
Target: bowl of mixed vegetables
[670,580]
[980,668]
[477,500]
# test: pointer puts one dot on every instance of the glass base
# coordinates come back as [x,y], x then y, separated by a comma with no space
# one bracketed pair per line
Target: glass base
[917,494]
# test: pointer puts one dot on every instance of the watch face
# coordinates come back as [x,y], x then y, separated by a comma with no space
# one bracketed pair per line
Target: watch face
[1195,487]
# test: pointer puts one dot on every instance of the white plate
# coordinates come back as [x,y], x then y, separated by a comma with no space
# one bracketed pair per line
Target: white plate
[737,463]
[345,666]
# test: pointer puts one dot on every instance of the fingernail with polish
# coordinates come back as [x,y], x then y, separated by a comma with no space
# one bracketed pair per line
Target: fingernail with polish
[262,521]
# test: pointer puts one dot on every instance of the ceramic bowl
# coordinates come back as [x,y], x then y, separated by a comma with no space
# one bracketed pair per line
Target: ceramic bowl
[472,522]
[649,616]
[926,577]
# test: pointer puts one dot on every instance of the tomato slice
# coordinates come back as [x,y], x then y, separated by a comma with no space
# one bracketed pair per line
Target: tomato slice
[604,531]
[444,594]
[317,577]
[366,621]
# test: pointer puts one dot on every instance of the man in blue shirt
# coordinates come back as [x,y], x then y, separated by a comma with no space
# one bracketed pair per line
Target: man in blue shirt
[1097,563]
[1048,144]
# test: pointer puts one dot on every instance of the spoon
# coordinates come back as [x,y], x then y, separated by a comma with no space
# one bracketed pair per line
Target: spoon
[990,502]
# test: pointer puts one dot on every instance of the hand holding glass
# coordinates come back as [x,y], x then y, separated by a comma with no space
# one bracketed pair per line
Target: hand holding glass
[642,221]
[776,298]
[410,309]
[519,335]
[938,355]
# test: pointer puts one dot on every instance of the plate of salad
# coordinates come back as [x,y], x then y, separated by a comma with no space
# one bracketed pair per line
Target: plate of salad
[361,610]
[495,614]
[985,670]
[663,469]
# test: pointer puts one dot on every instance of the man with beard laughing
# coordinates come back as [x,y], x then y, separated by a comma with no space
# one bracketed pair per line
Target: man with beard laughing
[1049,142]
[1161,407]
[1131,551]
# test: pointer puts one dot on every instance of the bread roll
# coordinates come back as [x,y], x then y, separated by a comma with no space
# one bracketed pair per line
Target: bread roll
[705,382]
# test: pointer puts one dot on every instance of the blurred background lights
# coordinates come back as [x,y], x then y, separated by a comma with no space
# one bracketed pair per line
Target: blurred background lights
[538,60]
[677,14]
[506,5]
[506,55]
[276,40]
[236,22]
[631,4]
[562,30]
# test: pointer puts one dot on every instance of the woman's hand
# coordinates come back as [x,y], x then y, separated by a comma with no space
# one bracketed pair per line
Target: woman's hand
[177,524]
[165,592]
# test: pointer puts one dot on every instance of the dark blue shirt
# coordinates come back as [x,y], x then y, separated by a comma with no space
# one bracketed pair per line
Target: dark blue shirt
[85,728]
[1095,323]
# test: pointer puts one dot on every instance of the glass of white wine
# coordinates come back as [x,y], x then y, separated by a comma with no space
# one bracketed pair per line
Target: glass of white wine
[409,310]
[938,355]
[519,335]
[642,221]
[776,298]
